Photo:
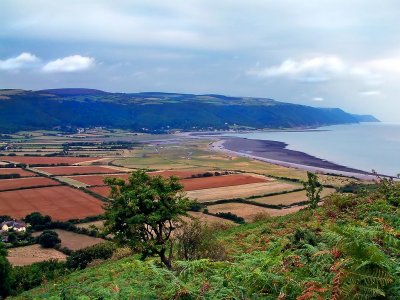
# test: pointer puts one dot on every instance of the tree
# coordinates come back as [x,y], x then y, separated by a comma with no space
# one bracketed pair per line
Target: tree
[143,212]
[48,239]
[5,272]
[313,189]
[36,219]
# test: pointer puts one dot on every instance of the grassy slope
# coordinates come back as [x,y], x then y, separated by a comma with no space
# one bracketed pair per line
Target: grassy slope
[350,245]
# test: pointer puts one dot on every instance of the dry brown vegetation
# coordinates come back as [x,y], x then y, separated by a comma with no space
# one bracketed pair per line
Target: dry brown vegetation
[28,255]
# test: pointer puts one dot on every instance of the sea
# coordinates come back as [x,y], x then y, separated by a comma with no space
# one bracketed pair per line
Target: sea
[364,146]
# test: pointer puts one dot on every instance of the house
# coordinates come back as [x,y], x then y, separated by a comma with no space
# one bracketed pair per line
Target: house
[17,226]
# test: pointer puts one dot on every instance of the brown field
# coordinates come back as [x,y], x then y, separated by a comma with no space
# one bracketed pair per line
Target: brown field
[98,224]
[241,191]
[59,202]
[290,198]
[28,255]
[77,170]
[101,190]
[248,211]
[220,181]
[97,179]
[46,160]
[21,172]
[178,173]
[10,184]
[75,241]
[210,219]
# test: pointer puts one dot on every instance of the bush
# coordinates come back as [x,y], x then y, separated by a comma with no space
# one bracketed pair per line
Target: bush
[231,216]
[81,258]
[196,240]
[27,277]
[48,239]
[5,270]
[37,220]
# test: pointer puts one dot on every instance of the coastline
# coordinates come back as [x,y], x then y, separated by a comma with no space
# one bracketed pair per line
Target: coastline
[276,153]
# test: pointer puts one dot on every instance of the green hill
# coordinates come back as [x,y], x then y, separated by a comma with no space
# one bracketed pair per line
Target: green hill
[154,112]
[347,249]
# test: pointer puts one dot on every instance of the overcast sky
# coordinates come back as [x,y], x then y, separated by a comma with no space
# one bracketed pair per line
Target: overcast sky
[338,53]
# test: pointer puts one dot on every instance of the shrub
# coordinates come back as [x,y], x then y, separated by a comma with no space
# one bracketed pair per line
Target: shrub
[37,220]
[81,258]
[48,239]
[27,277]
[231,216]
[5,269]
[196,240]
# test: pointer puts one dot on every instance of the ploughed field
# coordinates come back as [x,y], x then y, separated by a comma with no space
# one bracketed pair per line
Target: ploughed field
[19,183]
[61,170]
[59,202]
[193,184]
[30,160]
[19,171]
[27,255]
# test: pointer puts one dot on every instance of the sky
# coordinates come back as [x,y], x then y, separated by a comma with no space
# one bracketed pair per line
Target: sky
[336,53]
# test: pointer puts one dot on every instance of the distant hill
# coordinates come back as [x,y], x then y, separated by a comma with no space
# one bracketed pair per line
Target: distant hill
[155,111]
[366,118]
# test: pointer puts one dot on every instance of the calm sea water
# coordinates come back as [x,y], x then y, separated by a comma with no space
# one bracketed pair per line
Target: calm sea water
[365,146]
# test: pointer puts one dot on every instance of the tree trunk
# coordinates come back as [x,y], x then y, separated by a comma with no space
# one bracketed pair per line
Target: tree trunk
[165,260]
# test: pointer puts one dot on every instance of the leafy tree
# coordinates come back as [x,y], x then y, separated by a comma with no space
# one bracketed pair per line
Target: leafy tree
[37,219]
[48,239]
[143,212]
[5,272]
[313,189]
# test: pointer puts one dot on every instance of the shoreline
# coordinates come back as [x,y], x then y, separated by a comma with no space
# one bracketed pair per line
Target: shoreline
[276,153]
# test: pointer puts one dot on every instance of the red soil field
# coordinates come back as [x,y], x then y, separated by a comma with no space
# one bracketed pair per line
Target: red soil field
[199,183]
[97,179]
[77,170]
[101,190]
[9,184]
[60,203]
[46,160]
[21,172]
[178,173]
[219,181]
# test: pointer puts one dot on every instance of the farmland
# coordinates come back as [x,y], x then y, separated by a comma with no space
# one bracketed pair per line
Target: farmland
[18,183]
[59,202]
[19,171]
[74,241]
[40,160]
[76,170]
[28,255]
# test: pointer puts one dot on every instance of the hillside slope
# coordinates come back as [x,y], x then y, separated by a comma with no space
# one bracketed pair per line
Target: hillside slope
[348,249]
[154,112]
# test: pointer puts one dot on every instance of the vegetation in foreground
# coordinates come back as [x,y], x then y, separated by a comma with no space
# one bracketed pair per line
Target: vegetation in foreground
[347,249]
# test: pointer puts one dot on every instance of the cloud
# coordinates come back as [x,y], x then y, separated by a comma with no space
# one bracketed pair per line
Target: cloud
[21,61]
[318,99]
[370,93]
[315,69]
[72,63]
[391,65]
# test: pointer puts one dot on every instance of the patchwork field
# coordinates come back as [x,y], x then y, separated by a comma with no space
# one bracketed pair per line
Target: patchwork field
[76,170]
[97,179]
[22,256]
[75,241]
[220,181]
[60,202]
[212,220]
[16,183]
[101,190]
[290,198]
[241,191]
[19,171]
[46,160]
[250,212]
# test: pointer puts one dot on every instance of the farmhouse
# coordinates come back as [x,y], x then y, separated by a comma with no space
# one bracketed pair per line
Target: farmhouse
[17,226]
